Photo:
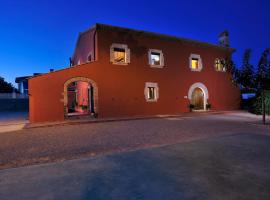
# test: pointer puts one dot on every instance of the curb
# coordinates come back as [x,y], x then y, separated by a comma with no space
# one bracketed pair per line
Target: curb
[88,121]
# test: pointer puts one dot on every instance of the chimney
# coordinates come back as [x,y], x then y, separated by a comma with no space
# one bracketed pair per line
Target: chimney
[224,39]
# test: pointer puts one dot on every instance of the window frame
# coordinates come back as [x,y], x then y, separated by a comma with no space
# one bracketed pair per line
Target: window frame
[156,91]
[150,51]
[200,64]
[127,54]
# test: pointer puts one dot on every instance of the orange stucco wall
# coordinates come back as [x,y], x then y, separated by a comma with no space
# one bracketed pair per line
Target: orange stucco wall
[85,46]
[121,88]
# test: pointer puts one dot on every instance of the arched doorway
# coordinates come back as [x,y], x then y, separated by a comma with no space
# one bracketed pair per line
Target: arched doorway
[198,96]
[198,99]
[80,97]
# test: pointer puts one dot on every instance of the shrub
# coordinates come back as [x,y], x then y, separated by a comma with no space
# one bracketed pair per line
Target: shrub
[256,105]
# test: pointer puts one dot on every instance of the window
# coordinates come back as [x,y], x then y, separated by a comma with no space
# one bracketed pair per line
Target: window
[156,58]
[220,65]
[151,92]
[89,57]
[119,54]
[195,62]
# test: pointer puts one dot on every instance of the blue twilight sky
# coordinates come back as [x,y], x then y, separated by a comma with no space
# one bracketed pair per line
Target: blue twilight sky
[37,35]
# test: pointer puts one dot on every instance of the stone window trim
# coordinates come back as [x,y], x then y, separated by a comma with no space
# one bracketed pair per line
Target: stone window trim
[154,85]
[150,51]
[127,54]
[222,60]
[195,56]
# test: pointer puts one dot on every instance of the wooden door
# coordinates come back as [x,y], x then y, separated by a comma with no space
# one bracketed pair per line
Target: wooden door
[198,99]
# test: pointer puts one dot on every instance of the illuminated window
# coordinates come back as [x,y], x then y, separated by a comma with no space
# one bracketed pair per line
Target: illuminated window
[195,62]
[220,65]
[151,92]
[156,58]
[119,54]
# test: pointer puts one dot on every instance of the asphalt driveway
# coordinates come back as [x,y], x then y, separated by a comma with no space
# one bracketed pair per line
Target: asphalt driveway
[230,167]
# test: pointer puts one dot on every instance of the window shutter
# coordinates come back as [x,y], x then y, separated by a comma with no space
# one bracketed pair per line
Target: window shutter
[128,55]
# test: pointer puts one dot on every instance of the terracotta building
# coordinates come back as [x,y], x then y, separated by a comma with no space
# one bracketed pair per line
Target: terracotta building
[120,72]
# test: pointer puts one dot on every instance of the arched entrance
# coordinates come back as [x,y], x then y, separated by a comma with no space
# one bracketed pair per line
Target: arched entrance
[198,96]
[80,97]
[197,99]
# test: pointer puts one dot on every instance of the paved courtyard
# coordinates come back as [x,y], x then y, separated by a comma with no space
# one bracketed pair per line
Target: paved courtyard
[58,143]
[209,156]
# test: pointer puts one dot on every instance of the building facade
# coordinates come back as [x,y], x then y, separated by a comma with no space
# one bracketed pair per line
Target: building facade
[119,72]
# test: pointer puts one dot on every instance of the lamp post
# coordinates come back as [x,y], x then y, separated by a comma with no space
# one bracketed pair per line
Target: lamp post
[264,85]
[263,105]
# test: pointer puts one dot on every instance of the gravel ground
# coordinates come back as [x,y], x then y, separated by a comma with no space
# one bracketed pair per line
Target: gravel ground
[58,143]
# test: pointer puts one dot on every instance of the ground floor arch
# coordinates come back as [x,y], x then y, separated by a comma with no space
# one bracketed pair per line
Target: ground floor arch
[198,96]
[80,97]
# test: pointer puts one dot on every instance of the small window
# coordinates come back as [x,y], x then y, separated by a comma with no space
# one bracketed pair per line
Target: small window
[151,92]
[195,62]
[156,58]
[89,58]
[220,65]
[119,54]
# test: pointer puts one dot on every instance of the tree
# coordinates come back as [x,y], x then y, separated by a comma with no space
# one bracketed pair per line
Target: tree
[247,75]
[263,68]
[261,78]
[5,87]
[232,69]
